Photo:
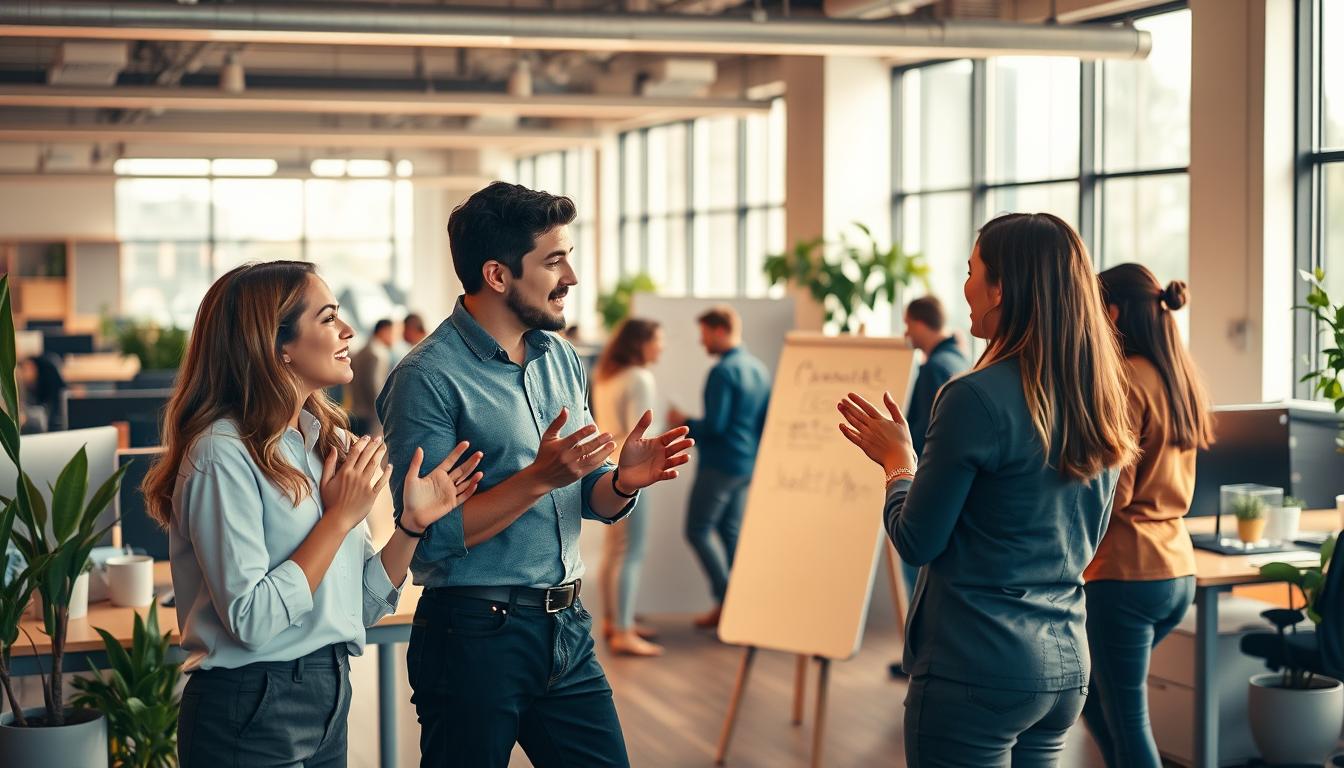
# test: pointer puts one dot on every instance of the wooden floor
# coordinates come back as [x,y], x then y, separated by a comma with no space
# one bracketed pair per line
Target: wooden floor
[672,708]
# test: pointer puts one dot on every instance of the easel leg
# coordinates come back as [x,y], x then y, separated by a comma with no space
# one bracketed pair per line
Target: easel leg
[819,728]
[730,720]
[799,689]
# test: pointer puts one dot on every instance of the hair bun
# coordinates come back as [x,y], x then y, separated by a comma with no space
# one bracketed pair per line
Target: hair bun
[1176,295]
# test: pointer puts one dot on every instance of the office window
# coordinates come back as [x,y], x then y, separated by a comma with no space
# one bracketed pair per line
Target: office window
[1320,187]
[1105,146]
[702,203]
[571,173]
[182,230]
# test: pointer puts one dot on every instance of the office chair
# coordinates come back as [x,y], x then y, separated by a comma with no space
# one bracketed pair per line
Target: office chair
[1320,651]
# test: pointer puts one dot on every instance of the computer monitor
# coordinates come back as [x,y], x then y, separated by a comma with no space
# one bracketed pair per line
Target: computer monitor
[1288,445]
[138,529]
[54,326]
[67,343]
[141,409]
[45,455]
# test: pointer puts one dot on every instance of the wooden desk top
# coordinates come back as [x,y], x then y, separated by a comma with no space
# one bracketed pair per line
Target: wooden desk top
[120,621]
[1214,570]
[99,366]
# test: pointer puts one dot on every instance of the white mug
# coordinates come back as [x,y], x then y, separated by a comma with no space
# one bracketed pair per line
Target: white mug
[1339,507]
[130,580]
[1283,523]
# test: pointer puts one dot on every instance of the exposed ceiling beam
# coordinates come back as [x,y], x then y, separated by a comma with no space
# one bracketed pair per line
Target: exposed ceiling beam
[515,140]
[580,106]
[444,26]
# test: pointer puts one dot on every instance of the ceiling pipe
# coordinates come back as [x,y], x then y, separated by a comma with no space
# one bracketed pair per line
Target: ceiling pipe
[444,26]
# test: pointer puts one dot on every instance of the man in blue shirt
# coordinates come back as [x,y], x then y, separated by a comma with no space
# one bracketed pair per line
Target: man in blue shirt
[501,648]
[736,395]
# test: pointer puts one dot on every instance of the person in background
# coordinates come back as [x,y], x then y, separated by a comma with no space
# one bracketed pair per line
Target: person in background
[737,394]
[412,331]
[370,368]
[501,651]
[925,326]
[1007,505]
[41,385]
[1142,581]
[265,495]
[623,390]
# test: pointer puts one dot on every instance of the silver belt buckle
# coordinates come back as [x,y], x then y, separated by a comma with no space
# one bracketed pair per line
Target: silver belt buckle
[556,594]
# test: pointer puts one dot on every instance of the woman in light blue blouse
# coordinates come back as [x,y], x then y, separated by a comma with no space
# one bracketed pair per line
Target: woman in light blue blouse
[264,495]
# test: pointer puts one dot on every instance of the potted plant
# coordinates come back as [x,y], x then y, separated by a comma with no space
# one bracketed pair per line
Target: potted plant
[55,537]
[1326,380]
[138,696]
[845,277]
[159,349]
[615,306]
[1283,520]
[1294,713]
[1250,512]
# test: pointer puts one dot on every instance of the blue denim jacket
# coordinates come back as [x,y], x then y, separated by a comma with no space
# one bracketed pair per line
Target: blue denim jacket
[459,384]
[737,394]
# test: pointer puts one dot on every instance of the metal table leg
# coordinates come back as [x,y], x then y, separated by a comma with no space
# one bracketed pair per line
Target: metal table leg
[1206,689]
[387,705]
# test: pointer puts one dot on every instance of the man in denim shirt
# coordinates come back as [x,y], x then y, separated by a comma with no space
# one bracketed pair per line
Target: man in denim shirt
[501,650]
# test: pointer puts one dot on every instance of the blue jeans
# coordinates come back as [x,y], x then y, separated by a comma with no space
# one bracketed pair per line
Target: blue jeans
[954,725]
[1125,620]
[717,502]
[271,714]
[622,561]
[487,674]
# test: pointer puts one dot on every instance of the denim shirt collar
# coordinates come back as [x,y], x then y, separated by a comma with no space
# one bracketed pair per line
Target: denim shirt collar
[479,340]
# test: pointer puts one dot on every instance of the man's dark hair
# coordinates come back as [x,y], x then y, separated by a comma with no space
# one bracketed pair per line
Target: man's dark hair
[501,223]
[413,322]
[722,317]
[927,310]
[382,325]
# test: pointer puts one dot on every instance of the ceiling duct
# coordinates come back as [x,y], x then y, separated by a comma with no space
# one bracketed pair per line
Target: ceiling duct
[445,26]
[872,9]
[86,62]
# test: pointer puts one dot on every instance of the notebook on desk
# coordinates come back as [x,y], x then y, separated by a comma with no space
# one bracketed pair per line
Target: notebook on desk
[1292,557]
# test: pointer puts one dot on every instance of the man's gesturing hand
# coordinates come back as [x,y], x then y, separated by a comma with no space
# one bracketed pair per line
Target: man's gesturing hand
[648,460]
[563,460]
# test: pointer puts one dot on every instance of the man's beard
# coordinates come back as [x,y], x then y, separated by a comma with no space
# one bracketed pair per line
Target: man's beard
[536,317]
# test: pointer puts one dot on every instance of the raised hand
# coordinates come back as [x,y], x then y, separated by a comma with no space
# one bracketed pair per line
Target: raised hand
[348,491]
[884,440]
[563,460]
[648,460]
[426,499]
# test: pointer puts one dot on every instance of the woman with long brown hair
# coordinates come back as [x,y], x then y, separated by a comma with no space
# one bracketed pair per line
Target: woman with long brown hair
[1008,503]
[1141,581]
[264,496]
[623,390]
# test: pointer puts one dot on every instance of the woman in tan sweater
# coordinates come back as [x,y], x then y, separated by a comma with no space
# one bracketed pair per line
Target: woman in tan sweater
[1141,580]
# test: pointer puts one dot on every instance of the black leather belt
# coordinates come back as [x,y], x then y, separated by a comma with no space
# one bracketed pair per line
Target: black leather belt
[551,599]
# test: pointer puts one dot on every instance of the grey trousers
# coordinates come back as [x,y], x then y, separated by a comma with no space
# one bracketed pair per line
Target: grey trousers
[268,714]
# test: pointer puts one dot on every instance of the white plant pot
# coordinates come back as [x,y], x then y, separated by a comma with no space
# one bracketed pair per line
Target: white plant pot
[80,744]
[79,597]
[1283,523]
[1292,726]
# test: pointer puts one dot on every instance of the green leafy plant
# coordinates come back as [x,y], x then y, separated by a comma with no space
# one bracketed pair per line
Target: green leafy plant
[1249,507]
[54,538]
[158,348]
[1325,380]
[1310,581]
[615,305]
[138,695]
[845,277]
[1293,501]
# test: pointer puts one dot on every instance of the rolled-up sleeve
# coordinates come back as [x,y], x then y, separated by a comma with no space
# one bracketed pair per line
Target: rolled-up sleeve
[589,483]
[414,415]
[254,601]
[962,441]
[380,597]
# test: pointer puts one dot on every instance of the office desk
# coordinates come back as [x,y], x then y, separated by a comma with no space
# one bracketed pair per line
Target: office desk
[82,369]
[84,646]
[1215,574]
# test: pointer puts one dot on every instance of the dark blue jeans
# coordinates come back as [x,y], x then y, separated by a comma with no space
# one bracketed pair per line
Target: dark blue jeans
[954,725]
[1125,620]
[715,509]
[485,675]
[268,714]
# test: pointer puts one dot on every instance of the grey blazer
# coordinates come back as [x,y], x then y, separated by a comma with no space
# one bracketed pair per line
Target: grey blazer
[1005,537]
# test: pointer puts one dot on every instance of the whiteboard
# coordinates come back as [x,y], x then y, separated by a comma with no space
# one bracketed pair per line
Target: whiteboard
[803,576]
[672,581]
